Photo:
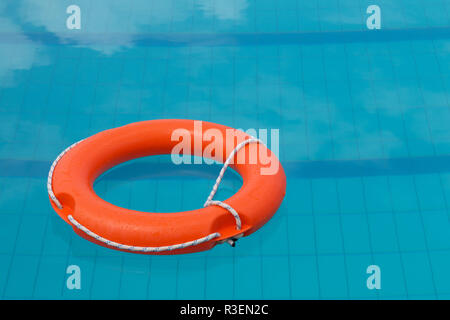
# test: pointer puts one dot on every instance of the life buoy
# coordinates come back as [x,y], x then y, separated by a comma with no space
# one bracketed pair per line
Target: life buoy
[72,175]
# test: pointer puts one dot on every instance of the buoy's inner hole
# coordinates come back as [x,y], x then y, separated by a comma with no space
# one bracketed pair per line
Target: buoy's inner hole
[156,184]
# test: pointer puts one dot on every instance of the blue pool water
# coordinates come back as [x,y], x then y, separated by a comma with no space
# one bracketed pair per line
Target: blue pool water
[364,139]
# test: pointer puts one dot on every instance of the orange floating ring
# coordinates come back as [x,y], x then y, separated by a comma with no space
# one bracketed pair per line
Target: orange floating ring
[72,175]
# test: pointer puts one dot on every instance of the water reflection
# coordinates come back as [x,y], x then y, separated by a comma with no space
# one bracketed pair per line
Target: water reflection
[128,19]
[16,58]
[335,95]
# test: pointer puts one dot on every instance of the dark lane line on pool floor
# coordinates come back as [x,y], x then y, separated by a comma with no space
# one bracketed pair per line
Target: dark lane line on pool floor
[227,39]
[294,169]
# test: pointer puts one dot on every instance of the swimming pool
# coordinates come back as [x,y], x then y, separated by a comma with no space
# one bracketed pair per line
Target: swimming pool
[364,140]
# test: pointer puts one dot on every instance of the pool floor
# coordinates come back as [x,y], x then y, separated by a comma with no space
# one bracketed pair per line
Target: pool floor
[364,140]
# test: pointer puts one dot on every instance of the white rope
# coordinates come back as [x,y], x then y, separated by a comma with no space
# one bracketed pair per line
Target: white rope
[50,175]
[227,207]
[208,202]
[142,249]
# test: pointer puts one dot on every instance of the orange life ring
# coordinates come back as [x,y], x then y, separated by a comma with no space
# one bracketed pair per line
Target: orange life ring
[72,176]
